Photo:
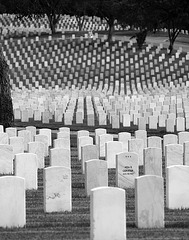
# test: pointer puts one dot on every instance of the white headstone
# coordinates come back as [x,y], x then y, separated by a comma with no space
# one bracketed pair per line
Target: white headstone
[57,189]
[111,149]
[44,140]
[88,152]
[99,131]
[107,206]
[26,167]
[124,137]
[4,138]
[60,157]
[26,136]
[154,141]
[173,154]
[149,202]
[102,139]
[177,187]
[127,168]
[96,174]
[13,202]
[17,143]
[38,148]
[6,159]
[82,141]
[169,139]
[47,132]
[153,161]
[137,145]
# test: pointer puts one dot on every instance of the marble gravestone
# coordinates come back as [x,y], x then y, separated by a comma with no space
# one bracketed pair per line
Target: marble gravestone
[82,141]
[142,134]
[33,131]
[44,139]
[11,131]
[153,161]
[13,202]
[111,149]
[61,143]
[88,152]
[169,139]
[102,139]
[57,189]
[174,155]
[38,148]
[186,153]
[6,159]
[107,214]
[124,138]
[27,137]
[137,145]
[127,168]
[4,138]
[183,137]
[154,141]
[17,143]
[149,202]
[82,133]
[48,133]
[60,157]
[26,165]
[177,187]
[96,174]
[99,131]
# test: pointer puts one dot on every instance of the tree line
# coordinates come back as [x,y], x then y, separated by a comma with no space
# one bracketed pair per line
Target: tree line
[145,15]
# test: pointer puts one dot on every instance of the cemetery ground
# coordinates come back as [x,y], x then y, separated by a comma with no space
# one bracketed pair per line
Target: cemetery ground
[76,224]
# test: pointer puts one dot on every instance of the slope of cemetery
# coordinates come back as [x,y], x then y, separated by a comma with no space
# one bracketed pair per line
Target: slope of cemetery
[91,114]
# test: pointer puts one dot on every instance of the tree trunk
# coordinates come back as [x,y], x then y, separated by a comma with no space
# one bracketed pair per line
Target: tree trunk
[173,34]
[6,108]
[111,29]
[53,20]
[80,22]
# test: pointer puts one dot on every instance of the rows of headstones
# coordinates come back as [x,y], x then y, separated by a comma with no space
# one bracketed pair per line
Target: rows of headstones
[82,62]
[23,152]
[97,155]
[166,110]
[12,26]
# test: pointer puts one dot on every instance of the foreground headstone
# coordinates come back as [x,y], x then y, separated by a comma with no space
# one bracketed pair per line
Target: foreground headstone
[26,167]
[99,131]
[17,143]
[38,148]
[177,187]
[44,139]
[57,189]
[4,138]
[173,155]
[6,159]
[111,149]
[169,139]
[33,131]
[107,206]
[60,157]
[149,202]
[96,174]
[102,139]
[154,141]
[183,137]
[142,134]
[124,138]
[126,169]
[11,131]
[88,152]
[61,143]
[186,153]
[137,145]
[153,161]
[26,136]
[83,141]
[47,132]
[13,202]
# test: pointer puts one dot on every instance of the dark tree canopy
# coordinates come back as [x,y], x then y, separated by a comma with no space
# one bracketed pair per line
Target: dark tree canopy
[6,108]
